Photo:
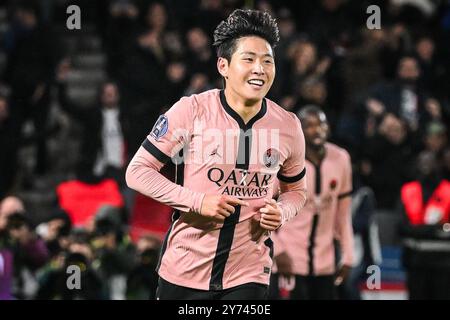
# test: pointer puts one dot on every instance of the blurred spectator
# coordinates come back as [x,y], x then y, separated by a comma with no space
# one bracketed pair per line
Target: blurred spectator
[435,137]
[265,5]
[199,83]
[9,144]
[412,11]
[31,58]
[313,91]
[30,248]
[288,37]
[177,75]
[53,282]
[362,65]
[329,24]
[156,20]
[201,58]
[210,14]
[55,231]
[8,206]
[386,161]
[426,231]
[103,140]
[6,267]
[367,248]
[396,42]
[310,79]
[288,29]
[167,42]
[425,51]
[114,253]
[143,279]
[29,253]
[404,98]
[436,141]
[143,85]
[121,30]
[304,62]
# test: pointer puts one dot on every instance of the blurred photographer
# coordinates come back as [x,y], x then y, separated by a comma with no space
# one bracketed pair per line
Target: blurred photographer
[143,279]
[114,252]
[55,231]
[54,283]
[29,253]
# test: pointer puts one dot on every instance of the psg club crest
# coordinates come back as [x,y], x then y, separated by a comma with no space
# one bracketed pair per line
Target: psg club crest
[271,158]
[333,184]
[160,127]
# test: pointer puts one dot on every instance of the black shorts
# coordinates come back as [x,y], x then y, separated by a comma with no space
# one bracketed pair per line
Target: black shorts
[248,291]
[303,287]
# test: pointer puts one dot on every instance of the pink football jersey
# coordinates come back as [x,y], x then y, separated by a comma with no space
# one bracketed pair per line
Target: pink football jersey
[308,238]
[221,155]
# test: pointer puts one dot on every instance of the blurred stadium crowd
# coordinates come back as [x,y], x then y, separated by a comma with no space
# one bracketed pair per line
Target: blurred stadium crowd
[75,105]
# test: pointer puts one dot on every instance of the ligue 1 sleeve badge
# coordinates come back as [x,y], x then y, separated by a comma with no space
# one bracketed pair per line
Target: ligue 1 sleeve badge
[160,127]
[271,157]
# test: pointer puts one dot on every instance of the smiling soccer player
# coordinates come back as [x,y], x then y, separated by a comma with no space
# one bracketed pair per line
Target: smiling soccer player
[235,143]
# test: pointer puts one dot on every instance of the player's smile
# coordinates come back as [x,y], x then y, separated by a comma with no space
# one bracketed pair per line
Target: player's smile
[256,84]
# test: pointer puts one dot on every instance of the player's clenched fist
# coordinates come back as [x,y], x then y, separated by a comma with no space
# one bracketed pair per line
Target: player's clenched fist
[270,215]
[219,207]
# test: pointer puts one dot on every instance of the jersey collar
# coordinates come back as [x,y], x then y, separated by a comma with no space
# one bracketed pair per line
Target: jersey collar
[237,117]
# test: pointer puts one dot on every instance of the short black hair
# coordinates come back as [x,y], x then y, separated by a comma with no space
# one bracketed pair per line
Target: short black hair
[241,23]
[311,110]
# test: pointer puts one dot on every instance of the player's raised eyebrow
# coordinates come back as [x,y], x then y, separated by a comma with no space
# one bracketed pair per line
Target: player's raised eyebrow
[254,54]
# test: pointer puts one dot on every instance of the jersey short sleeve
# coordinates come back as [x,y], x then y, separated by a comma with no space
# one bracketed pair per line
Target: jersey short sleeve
[346,186]
[293,168]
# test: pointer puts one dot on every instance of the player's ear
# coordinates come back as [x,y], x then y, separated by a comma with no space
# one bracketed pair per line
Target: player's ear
[222,66]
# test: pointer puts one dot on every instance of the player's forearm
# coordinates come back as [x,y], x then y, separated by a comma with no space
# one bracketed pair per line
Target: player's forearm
[344,230]
[292,200]
[143,175]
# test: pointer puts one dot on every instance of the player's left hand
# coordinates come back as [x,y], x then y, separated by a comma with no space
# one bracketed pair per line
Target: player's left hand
[270,215]
[342,274]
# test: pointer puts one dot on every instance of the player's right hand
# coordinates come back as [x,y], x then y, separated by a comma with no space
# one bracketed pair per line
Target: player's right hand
[219,207]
